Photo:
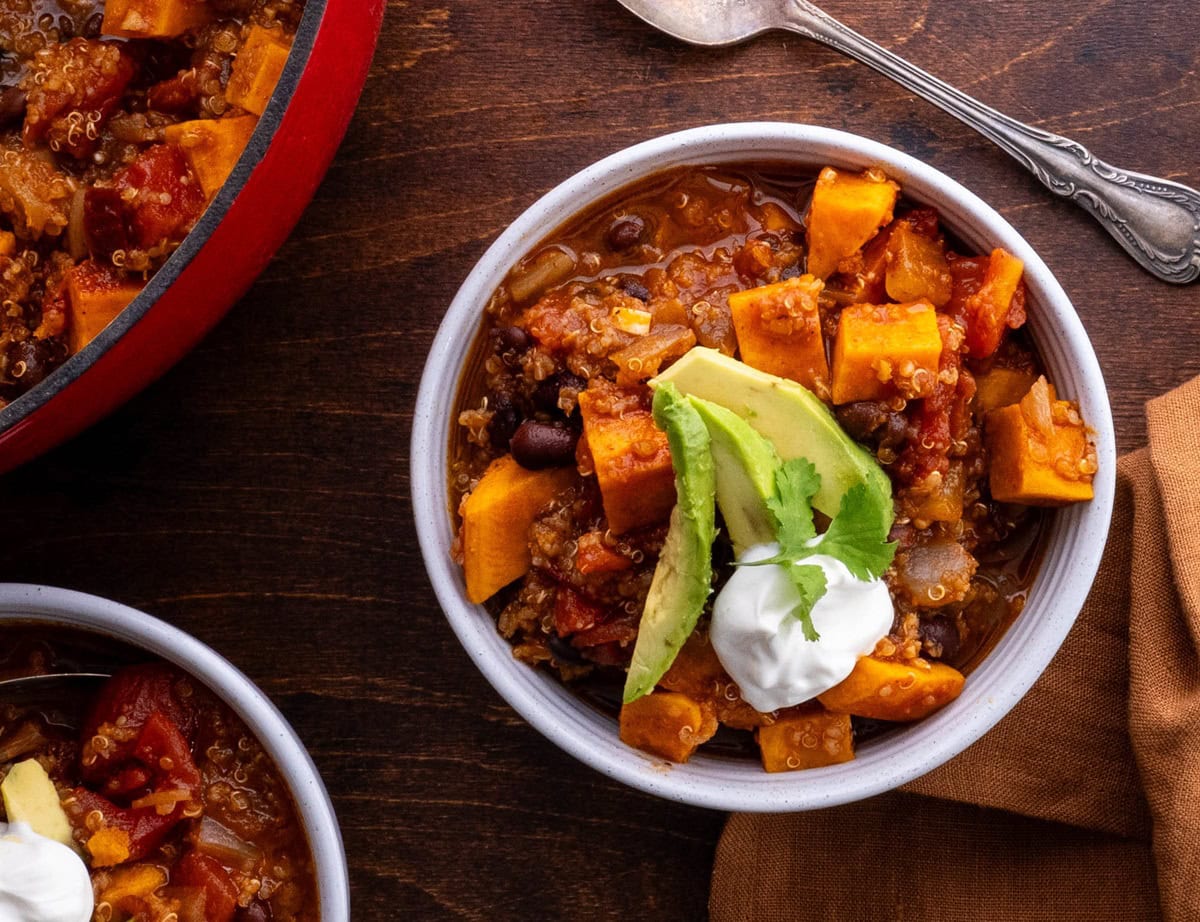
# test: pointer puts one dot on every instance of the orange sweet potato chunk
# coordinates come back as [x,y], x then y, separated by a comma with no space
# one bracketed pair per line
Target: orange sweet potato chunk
[1040,453]
[778,331]
[807,736]
[885,351]
[153,18]
[96,293]
[632,459]
[257,68]
[666,724]
[847,210]
[496,518]
[917,267]
[1001,387]
[212,147]
[135,882]
[697,673]
[886,690]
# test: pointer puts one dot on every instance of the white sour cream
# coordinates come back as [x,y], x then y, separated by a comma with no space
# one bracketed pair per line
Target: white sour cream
[41,880]
[762,646]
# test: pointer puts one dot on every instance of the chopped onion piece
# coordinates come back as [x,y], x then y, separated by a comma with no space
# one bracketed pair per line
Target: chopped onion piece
[217,841]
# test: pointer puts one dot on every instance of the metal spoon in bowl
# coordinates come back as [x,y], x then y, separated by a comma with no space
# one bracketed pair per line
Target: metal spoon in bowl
[65,693]
[1157,221]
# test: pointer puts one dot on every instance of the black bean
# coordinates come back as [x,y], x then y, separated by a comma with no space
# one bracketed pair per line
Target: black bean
[540,445]
[12,105]
[626,233]
[940,631]
[504,422]
[545,395]
[564,651]
[511,339]
[635,289]
[861,419]
[30,361]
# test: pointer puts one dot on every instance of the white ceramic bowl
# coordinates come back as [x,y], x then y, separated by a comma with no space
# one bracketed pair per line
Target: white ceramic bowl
[1075,540]
[43,604]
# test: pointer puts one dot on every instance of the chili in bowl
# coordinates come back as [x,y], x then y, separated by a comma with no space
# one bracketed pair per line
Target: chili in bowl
[169,790]
[754,320]
[141,144]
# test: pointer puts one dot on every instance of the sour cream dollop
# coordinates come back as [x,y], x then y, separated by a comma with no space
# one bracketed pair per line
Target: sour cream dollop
[762,646]
[41,880]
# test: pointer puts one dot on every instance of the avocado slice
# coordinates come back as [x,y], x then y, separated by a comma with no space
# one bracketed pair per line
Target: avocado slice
[683,578]
[31,798]
[746,465]
[794,419]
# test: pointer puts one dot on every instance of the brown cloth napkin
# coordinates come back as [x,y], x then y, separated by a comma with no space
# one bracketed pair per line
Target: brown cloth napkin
[1083,803]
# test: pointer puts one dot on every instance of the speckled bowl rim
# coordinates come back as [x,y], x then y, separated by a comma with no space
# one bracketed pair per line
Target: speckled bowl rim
[1075,538]
[47,605]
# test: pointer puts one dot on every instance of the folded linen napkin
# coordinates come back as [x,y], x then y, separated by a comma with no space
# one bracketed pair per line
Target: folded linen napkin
[1082,803]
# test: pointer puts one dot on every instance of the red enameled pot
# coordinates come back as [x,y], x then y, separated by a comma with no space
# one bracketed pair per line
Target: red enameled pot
[246,223]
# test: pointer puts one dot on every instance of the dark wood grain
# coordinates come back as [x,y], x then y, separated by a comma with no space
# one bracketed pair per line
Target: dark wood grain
[257,495]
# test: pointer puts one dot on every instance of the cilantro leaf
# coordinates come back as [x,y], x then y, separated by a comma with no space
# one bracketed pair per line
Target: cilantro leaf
[796,483]
[809,581]
[857,536]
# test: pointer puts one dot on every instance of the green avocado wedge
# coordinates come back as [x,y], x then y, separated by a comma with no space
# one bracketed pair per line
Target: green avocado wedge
[794,419]
[746,465]
[683,577]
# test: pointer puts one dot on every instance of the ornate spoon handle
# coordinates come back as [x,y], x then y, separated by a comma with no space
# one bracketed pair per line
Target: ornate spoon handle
[1157,221]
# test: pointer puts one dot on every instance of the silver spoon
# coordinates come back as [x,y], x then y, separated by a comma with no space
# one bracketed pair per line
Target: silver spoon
[1157,221]
[56,689]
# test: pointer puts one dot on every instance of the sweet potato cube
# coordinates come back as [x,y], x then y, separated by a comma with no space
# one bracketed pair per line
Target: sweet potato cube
[8,243]
[666,724]
[1040,454]
[886,350]
[916,267]
[257,68]
[886,690]
[153,18]
[632,459]
[847,209]
[807,736]
[697,673]
[990,309]
[779,331]
[96,293]
[135,882]
[1000,387]
[496,519]
[212,147]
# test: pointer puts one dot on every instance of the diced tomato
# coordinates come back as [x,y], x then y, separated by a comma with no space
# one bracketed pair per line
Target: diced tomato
[162,197]
[220,892]
[105,221]
[620,630]
[74,88]
[161,757]
[942,417]
[134,693]
[594,556]
[988,297]
[145,828]
[175,94]
[574,613]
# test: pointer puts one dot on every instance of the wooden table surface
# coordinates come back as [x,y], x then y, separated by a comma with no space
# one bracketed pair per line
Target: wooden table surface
[258,495]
